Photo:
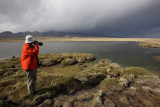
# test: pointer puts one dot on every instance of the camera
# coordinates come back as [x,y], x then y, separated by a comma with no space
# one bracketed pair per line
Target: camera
[39,43]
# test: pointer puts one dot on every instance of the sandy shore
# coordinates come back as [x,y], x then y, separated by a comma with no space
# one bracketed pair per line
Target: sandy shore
[51,39]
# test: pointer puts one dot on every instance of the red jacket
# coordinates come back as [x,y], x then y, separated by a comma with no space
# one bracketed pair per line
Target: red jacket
[28,57]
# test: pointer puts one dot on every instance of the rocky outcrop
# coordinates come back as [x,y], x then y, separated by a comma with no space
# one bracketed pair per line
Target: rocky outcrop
[104,84]
[65,59]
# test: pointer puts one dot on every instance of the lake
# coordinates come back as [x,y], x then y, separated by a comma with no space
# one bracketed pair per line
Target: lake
[123,53]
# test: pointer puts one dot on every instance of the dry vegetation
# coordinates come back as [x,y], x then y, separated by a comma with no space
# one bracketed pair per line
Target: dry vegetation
[51,39]
[151,44]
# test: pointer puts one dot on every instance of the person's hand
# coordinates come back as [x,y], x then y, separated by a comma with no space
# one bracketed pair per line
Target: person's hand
[36,42]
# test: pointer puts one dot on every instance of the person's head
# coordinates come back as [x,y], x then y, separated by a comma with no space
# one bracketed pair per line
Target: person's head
[29,39]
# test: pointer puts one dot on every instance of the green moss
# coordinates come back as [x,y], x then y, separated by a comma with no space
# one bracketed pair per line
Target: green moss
[136,71]
[109,83]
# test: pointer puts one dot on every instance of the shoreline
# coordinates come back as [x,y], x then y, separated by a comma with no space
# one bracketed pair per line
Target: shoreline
[53,39]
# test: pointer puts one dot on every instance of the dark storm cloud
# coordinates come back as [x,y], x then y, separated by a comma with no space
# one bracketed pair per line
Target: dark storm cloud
[131,18]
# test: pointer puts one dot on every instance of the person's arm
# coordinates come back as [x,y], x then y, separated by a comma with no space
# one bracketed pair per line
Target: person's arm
[31,51]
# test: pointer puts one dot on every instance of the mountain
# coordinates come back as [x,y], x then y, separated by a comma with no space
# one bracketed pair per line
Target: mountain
[9,34]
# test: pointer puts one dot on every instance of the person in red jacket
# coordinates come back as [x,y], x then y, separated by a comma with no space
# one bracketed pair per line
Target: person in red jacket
[30,51]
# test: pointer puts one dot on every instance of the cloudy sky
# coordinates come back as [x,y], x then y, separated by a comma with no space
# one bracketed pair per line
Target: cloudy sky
[124,18]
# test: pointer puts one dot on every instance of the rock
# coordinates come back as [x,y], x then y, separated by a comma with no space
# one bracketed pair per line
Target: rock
[79,64]
[101,93]
[47,103]
[124,100]
[13,57]
[133,88]
[68,104]
[108,76]
[157,90]
[106,62]
[49,62]
[123,82]
[81,60]
[113,73]
[148,103]
[139,81]
[108,70]
[118,89]
[130,93]
[96,66]
[83,79]
[84,97]
[130,77]
[109,103]
[90,78]
[145,88]
[58,103]
[69,61]
[40,98]
[90,58]
[98,102]
[85,66]
[114,66]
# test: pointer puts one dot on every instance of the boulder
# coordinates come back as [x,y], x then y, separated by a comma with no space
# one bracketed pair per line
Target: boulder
[114,66]
[69,103]
[98,102]
[84,97]
[123,82]
[69,61]
[90,58]
[109,103]
[47,103]
[124,99]
[89,78]
[80,60]
[49,62]
[40,98]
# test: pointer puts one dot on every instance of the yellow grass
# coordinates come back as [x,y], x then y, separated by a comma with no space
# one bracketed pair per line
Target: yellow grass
[51,39]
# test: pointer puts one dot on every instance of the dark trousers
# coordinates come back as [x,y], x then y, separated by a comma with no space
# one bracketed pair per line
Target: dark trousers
[31,80]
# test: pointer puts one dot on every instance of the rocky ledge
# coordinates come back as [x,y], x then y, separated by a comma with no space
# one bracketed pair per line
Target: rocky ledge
[62,83]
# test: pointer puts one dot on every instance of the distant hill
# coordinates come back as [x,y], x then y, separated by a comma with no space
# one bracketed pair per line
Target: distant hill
[9,34]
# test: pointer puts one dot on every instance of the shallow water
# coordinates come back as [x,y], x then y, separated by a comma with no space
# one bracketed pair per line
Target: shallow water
[123,53]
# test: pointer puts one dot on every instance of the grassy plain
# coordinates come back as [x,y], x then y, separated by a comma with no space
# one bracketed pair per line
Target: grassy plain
[51,39]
